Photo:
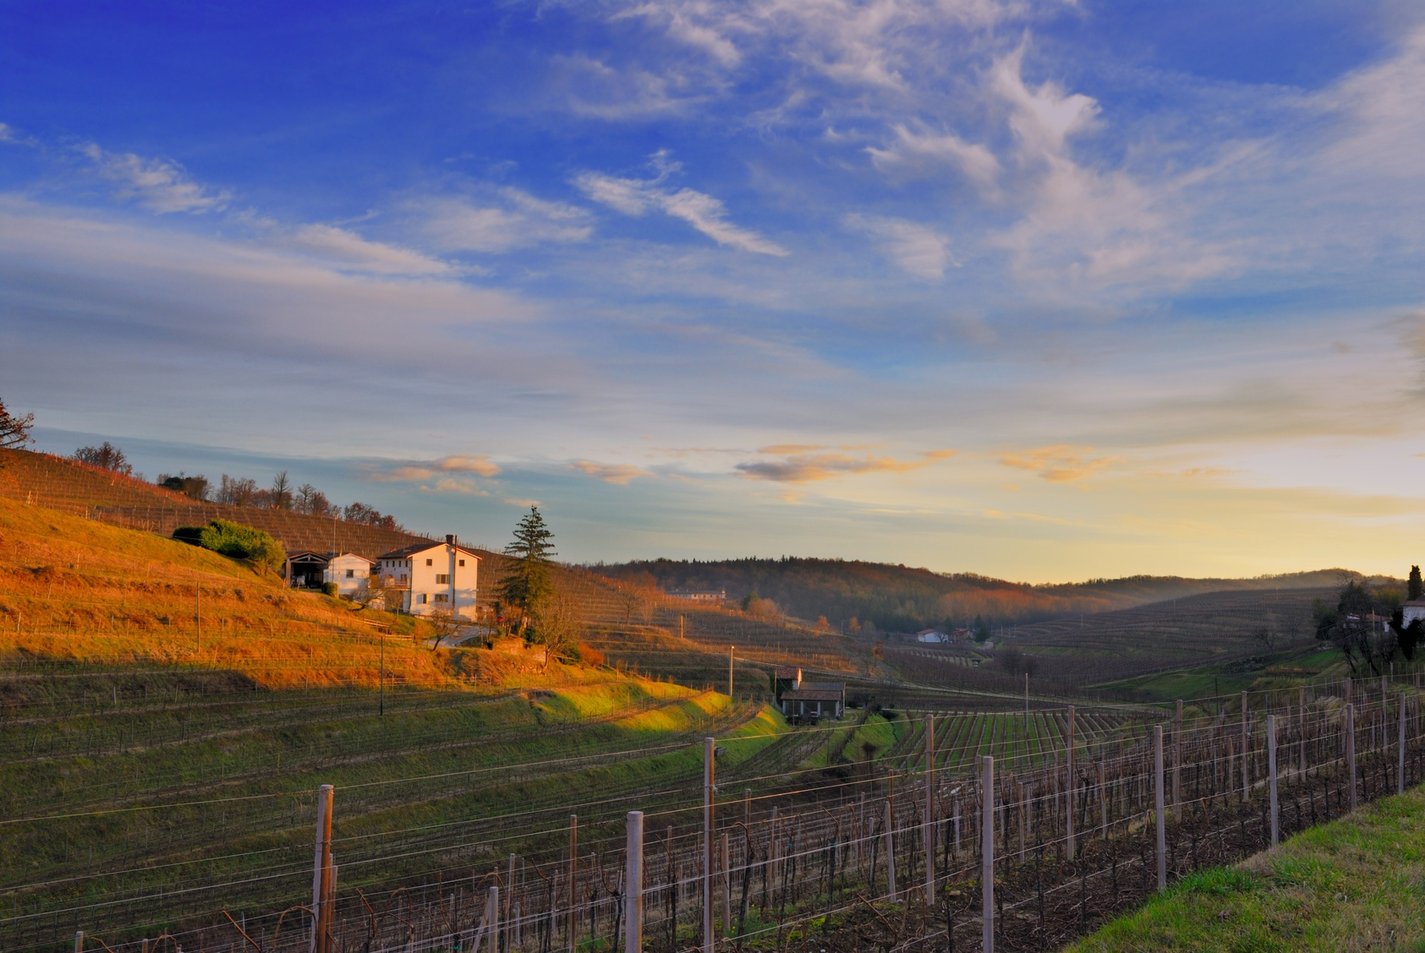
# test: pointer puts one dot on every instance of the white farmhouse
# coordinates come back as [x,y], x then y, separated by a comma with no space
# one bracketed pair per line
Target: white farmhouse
[1412,610]
[430,577]
[309,570]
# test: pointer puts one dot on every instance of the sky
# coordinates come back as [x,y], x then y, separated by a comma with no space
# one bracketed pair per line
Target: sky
[1037,289]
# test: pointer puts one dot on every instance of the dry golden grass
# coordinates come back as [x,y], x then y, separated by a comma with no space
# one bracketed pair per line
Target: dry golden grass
[72,588]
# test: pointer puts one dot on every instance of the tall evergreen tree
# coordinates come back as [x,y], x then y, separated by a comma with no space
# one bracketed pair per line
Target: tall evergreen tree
[527,586]
[1415,587]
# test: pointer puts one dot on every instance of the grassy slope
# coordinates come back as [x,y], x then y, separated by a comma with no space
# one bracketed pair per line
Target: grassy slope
[111,704]
[1354,884]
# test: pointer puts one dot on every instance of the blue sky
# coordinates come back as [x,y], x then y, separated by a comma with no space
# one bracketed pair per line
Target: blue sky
[1041,290]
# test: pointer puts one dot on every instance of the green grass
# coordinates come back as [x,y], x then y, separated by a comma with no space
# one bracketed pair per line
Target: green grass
[1210,680]
[1356,884]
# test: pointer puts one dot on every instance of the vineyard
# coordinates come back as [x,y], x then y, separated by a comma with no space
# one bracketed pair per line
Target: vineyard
[888,854]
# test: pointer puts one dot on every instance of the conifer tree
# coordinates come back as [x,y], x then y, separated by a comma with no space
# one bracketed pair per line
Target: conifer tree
[527,586]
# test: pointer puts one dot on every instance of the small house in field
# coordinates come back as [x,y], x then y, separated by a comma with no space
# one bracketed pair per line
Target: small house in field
[431,577]
[931,637]
[804,702]
[309,570]
[1412,610]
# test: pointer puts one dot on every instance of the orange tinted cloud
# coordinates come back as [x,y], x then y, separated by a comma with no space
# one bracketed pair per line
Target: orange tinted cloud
[619,474]
[811,467]
[426,469]
[1059,463]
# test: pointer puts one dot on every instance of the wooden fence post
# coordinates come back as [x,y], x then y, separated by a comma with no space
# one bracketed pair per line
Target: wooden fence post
[987,855]
[928,823]
[889,843]
[1246,781]
[1178,758]
[1158,803]
[709,752]
[573,880]
[1400,745]
[1069,785]
[1272,776]
[633,885]
[321,868]
[1351,749]
[79,941]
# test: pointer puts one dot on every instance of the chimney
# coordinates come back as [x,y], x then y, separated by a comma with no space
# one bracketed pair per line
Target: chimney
[450,539]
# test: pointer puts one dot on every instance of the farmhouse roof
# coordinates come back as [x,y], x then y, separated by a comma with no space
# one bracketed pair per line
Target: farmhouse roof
[812,695]
[415,549]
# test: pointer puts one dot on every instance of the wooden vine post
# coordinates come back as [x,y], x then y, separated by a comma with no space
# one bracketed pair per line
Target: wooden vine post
[1158,804]
[573,880]
[1351,749]
[709,753]
[1069,788]
[1272,776]
[321,872]
[987,855]
[928,825]
[633,885]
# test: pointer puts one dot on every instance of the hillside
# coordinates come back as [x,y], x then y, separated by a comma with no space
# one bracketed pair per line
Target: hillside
[851,593]
[71,487]
[166,715]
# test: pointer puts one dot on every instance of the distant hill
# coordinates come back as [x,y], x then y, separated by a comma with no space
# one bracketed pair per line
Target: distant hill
[892,598]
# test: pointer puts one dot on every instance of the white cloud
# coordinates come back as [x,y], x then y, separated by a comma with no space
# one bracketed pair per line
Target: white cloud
[924,153]
[595,89]
[706,214]
[346,248]
[512,219]
[917,249]
[156,184]
[1044,118]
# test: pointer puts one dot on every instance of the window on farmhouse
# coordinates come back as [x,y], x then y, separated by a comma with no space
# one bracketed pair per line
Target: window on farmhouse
[442,579]
[462,563]
[430,562]
[441,597]
[422,600]
[351,574]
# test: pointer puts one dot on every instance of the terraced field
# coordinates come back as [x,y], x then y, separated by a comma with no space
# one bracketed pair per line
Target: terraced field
[1194,630]
[1016,741]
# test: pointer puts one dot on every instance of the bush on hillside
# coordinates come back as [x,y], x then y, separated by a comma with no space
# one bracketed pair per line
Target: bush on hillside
[253,546]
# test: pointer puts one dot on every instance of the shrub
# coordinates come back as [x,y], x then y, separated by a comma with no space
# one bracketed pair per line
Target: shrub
[248,543]
[329,589]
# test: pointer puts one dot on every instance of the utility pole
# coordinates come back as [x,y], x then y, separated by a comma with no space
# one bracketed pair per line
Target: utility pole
[729,672]
[381,704]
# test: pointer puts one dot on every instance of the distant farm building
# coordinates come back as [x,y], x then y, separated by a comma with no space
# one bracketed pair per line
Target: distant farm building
[431,577]
[804,702]
[309,570]
[931,637]
[1412,610]
[699,595]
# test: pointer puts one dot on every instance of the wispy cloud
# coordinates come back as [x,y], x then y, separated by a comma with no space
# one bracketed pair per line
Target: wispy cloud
[156,184]
[510,219]
[812,467]
[346,248]
[619,474]
[637,197]
[414,471]
[594,88]
[925,153]
[916,249]
[1059,463]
